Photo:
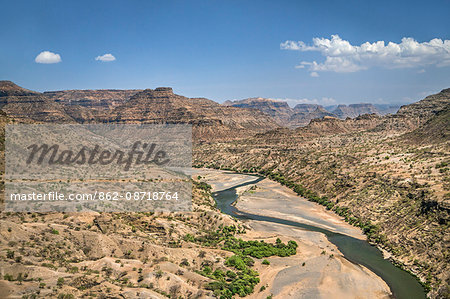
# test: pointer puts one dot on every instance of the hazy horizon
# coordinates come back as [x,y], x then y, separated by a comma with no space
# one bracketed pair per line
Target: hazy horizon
[291,102]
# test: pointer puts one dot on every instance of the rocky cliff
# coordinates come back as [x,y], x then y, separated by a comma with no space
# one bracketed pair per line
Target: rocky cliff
[96,99]
[426,108]
[434,130]
[8,88]
[299,116]
[384,109]
[278,110]
[209,119]
[305,113]
[302,114]
[24,105]
[354,110]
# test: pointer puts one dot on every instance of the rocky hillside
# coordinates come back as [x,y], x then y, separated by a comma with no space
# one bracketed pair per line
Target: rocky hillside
[435,130]
[426,108]
[24,105]
[278,110]
[354,110]
[8,88]
[412,116]
[119,255]
[332,126]
[384,109]
[363,169]
[305,113]
[105,99]
[210,120]
[305,108]
[302,114]
[281,112]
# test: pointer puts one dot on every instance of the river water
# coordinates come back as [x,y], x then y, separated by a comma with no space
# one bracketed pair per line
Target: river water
[402,284]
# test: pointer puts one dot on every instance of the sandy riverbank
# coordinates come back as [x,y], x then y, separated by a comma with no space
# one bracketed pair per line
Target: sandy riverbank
[318,270]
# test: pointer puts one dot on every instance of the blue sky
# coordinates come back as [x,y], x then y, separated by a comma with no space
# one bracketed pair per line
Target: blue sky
[232,49]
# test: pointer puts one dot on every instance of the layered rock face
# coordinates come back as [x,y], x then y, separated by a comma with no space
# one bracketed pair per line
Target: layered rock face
[210,119]
[299,116]
[426,108]
[105,99]
[434,130]
[412,116]
[354,110]
[305,113]
[25,105]
[302,114]
[278,110]
[8,88]
[306,108]
[408,118]
[384,109]
[331,125]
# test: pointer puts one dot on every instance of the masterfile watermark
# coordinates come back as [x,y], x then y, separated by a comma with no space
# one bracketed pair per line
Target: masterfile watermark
[102,196]
[98,167]
[97,155]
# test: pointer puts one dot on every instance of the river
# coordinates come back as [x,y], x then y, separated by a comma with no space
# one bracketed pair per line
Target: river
[402,284]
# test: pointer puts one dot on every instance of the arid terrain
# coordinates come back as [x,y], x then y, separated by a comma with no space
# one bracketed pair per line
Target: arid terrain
[110,255]
[388,176]
[322,269]
[301,114]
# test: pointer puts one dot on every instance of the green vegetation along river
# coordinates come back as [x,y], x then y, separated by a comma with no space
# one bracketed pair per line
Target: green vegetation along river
[402,284]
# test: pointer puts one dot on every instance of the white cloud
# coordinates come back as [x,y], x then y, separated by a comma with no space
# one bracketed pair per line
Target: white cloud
[343,57]
[47,57]
[106,57]
[314,74]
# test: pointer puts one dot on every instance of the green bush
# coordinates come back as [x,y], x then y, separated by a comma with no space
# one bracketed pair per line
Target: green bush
[260,249]
[204,186]
[189,238]
[10,254]
[60,282]
[229,283]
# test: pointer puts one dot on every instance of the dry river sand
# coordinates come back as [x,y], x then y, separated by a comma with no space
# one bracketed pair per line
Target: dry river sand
[318,270]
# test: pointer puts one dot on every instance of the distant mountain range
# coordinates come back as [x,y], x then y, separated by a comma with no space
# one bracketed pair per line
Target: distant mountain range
[210,120]
[96,99]
[381,109]
[302,114]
